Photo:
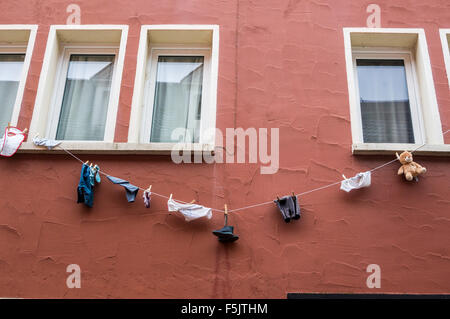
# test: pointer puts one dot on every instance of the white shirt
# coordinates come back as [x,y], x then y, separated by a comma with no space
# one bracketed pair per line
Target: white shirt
[189,211]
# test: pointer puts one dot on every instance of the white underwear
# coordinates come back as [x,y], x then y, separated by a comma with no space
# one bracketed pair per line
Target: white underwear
[11,141]
[360,180]
[189,211]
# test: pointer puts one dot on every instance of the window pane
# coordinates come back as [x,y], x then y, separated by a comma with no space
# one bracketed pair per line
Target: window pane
[10,71]
[385,108]
[178,96]
[86,97]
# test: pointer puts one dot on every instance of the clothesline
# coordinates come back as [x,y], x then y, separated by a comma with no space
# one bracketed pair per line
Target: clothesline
[255,205]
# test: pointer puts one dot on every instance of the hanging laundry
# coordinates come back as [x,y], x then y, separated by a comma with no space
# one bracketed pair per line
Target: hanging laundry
[289,207]
[225,234]
[360,180]
[146,197]
[189,211]
[85,189]
[91,176]
[96,170]
[131,190]
[11,141]
[50,144]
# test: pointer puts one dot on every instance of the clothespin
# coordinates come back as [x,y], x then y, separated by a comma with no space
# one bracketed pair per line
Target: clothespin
[344,176]
[170,197]
[192,202]
[226,214]
[86,162]
[37,135]
[149,188]
[25,131]
[9,125]
[278,198]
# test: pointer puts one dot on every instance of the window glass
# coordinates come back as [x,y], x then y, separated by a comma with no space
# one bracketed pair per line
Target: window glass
[384,99]
[10,72]
[86,97]
[178,95]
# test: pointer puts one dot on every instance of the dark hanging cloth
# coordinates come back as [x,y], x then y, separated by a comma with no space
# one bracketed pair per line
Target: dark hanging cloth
[85,189]
[131,190]
[225,234]
[289,207]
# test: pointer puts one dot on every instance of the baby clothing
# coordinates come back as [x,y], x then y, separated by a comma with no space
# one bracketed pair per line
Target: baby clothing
[94,175]
[85,188]
[91,176]
[289,207]
[360,180]
[130,190]
[225,234]
[146,197]
[50,144]
[11,141]
[189,211]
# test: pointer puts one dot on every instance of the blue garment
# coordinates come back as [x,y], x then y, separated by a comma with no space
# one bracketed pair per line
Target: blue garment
[85,189]
[131,190]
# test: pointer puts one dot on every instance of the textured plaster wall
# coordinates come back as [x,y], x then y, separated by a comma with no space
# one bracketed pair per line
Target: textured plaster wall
[281,65]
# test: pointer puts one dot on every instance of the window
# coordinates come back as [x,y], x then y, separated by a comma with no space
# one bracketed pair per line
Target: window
[392,98]
[174,101]
[82,101]
[445,40]
[176,90]
[16,45]
[386,98]
[11,66]
[79,86]
[177,97]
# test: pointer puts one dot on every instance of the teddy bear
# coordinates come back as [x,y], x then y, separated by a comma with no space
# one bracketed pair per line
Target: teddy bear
[409,168]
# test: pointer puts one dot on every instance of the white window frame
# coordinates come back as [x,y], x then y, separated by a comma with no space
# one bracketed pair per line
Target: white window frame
[57,99]
[414,102]
[19,48]
[445,39]
[150,85]
[413,41]
[59,37]
[182,37]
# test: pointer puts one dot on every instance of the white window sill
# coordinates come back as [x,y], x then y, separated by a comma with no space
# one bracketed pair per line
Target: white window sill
[87,147]
[391,148]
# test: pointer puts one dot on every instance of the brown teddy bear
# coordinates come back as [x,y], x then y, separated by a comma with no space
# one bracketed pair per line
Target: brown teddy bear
[409,168]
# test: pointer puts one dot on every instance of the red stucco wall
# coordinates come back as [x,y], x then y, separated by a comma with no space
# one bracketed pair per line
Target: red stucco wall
[281,64]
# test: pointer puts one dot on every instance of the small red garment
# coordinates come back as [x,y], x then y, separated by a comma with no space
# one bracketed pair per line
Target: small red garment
[11,141]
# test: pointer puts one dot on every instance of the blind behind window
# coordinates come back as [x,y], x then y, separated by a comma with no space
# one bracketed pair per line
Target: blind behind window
[384,99]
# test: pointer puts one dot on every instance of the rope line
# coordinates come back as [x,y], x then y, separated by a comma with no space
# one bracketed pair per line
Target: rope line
[254,205]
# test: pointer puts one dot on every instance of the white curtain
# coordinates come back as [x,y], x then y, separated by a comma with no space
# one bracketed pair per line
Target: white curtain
[10,71]
[385,108]
[178,95]
[86,96]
